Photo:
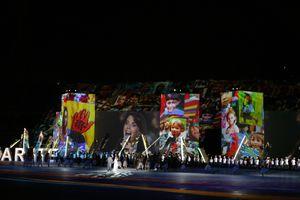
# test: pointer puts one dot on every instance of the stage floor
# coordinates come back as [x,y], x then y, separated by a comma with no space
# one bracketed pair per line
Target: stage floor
[77,183]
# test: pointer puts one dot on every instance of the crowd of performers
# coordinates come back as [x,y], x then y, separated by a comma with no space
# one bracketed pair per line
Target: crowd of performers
[158,162]
[155,162]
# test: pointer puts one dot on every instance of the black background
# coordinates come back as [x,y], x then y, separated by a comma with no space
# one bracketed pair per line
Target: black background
[47,44]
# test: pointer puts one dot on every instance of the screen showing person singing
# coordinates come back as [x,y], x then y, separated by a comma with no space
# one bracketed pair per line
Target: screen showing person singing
[131,132]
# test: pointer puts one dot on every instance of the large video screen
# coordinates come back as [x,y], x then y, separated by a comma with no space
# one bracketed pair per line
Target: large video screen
[283,128]
[242,123]
[131,132]
[78,121]
[179,124]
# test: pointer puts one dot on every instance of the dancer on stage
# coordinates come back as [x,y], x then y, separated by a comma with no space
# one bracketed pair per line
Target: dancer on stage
[116,164]
[109,163]
[40,140]
[25,140]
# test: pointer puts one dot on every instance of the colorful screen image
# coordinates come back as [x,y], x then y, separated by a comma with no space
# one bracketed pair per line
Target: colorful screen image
[191,106]
[179,124]
[191,113]
[193,138]
[78,121]
[210,115]
[253,145]
[172,105]
[241,124]
[131,132]
[57,130]
[230,130]
[250,108]
[172,134]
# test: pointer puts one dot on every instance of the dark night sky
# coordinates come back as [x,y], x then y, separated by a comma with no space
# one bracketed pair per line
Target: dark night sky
[43,42]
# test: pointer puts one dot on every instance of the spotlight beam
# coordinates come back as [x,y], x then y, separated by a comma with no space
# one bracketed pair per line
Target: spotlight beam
[239,147]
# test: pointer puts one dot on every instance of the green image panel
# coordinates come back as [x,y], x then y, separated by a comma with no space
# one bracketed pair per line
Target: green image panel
[250,108]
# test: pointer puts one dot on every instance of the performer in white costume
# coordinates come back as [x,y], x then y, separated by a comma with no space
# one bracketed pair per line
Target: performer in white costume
[115,164]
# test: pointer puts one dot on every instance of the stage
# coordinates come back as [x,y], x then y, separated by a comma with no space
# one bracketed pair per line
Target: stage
[77,183]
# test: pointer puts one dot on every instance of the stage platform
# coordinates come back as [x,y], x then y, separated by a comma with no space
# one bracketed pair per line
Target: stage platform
[78,183]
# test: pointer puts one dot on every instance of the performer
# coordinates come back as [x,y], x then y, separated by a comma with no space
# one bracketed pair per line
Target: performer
[39,159]
[47,159]
[228,161]
[276,163]
[251,161]
[109,163]
[40,140]
[257,162]
[286,162]
[267,149]
[125,163]
[281,163]
[119,163]
[116,163]
[25,140]
[49,142]
[140,164]
[293,162]
[211,160]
